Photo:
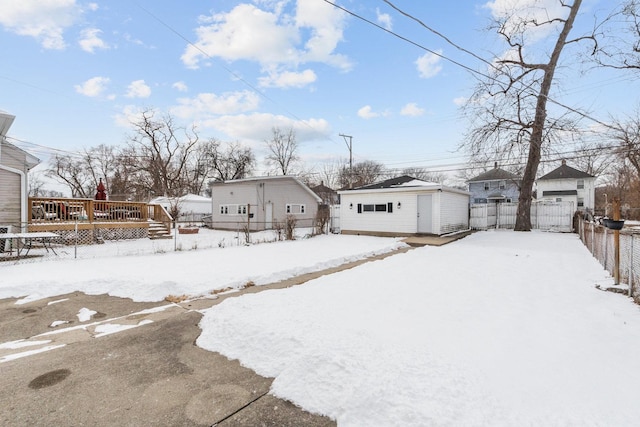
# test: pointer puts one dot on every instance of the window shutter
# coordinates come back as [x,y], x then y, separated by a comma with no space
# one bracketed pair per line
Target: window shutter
[390,207]
[359,207]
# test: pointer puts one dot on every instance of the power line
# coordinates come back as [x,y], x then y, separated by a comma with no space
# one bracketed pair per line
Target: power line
[465,67]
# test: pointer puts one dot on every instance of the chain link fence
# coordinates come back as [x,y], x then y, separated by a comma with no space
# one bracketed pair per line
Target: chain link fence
[71,241]
[601,243]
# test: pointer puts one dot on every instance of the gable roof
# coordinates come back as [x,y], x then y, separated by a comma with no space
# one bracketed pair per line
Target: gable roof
[267,178]
[321,188]
[401,181]
[495,174]
[566,172]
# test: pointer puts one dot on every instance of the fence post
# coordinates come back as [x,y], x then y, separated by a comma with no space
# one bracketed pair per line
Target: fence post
[630,275]
[605,248]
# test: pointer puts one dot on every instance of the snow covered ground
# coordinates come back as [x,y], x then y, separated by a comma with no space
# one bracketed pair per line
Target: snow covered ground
[497,329]
[146,270]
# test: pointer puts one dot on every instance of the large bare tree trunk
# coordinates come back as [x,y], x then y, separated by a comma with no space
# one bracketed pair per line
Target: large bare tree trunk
[523,216]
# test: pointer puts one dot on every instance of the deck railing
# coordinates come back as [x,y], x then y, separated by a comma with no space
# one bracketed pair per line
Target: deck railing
[47,210]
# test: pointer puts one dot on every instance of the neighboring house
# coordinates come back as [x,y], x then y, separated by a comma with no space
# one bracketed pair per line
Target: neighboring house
[191,206]
[14,188]
[403,206]
[495,186]
[566,184]
[328,195]
[260,203]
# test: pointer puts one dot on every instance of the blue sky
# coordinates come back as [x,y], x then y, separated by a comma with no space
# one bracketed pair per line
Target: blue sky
[75,72]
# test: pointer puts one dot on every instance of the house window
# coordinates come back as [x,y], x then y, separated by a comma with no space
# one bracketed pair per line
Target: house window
[580,202]
[480,200]
[486,185]
[581,184]
[295,209]
[558,199]
[380,207]
[503,185]
[233,209]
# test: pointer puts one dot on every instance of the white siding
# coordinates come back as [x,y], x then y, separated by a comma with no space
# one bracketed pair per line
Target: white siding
[9,198]
[587,194]
[401,220]
[450,212]
[454,212]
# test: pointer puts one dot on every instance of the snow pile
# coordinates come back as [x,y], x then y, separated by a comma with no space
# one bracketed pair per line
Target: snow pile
[500,329]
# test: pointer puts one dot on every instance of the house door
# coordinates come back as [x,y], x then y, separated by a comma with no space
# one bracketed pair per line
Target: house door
[268,216]
[424,214]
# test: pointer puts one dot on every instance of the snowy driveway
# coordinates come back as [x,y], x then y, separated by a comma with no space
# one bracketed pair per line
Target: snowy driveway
[497,329]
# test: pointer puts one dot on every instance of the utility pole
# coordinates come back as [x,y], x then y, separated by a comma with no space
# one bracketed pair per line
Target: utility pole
[350,147]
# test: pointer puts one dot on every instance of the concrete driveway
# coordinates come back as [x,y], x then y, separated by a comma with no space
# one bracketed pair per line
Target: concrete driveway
[132,364]
[152,374]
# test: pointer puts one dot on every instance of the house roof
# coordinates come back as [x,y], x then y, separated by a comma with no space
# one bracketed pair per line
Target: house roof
[495,174]
[268,178]
[321,188]
[566,172]
[6,120]
[401,181]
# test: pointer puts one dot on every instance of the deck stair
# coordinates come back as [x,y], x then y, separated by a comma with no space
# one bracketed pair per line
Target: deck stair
[158,230]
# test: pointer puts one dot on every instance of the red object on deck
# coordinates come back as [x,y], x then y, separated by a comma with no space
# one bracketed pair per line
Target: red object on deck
[101,194]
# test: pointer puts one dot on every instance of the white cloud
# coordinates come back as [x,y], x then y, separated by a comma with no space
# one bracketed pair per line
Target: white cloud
[412,110]
[90,40]
[257,127]
[515,12]
[93,87]
[138,89]
[244,33]
[429,64]
[460,101]
[180,86]
[366,112]
[271,37]
[45,21]
[207,104]
[384,19]
[288,79]
[130,114]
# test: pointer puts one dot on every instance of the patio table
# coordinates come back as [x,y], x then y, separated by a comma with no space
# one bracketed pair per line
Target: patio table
[44,237]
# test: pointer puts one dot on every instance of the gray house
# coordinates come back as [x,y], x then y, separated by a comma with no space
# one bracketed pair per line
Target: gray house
[495,186]
[261,202]
[14,188]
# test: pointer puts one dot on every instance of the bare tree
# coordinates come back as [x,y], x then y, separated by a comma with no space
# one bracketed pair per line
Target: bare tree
[626,134]
[72,172]
[283,150]
[329,173]
[36,184]
[425,175]
[362,173]
[230,160]
[163,151]
[618,37]
[511,105]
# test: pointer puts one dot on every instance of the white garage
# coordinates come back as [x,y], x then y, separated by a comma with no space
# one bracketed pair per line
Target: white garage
[404,206]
